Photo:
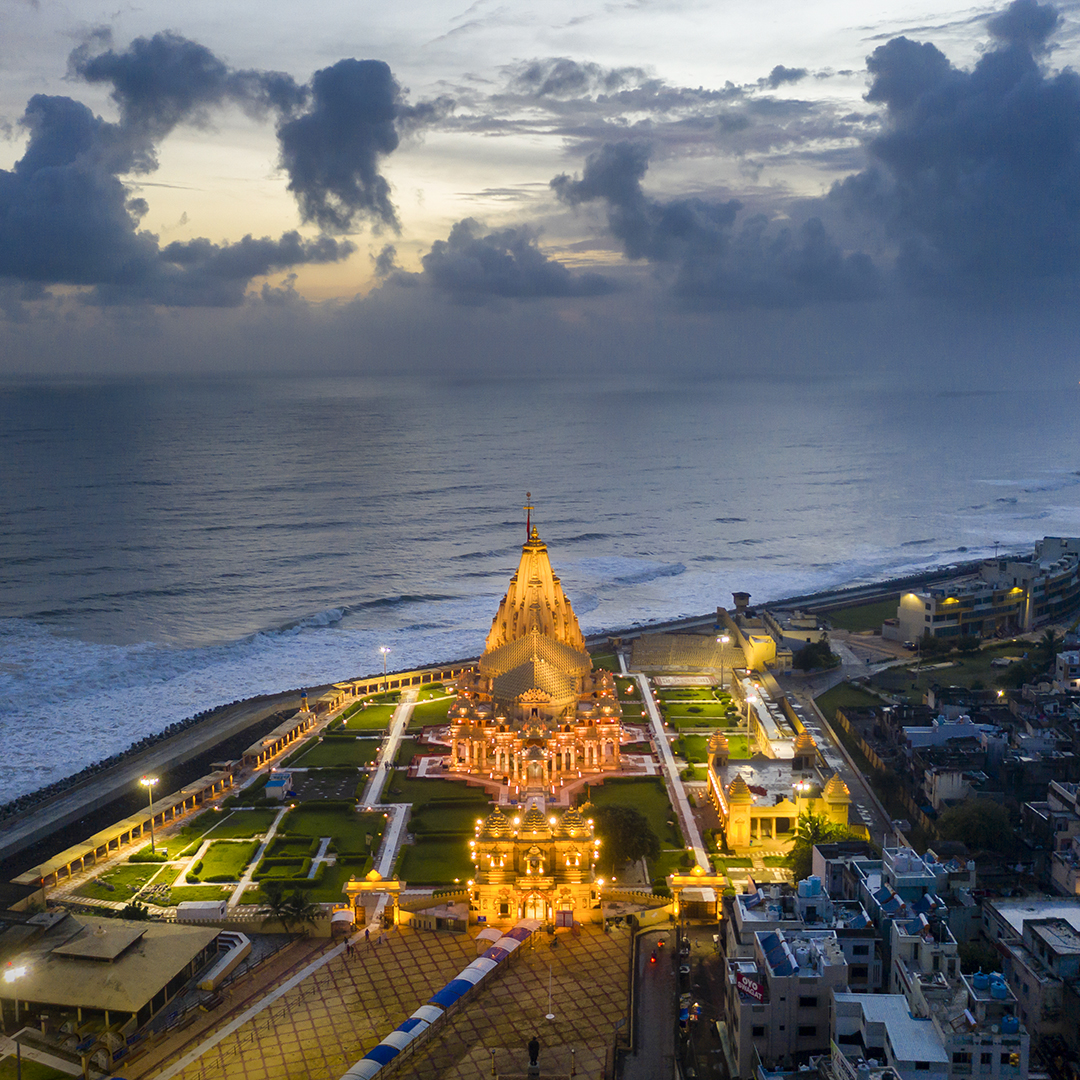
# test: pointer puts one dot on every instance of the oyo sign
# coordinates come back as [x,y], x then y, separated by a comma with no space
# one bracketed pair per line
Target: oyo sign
[751,987]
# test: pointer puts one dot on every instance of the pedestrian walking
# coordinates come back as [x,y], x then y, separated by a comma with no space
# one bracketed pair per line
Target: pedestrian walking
[367,935]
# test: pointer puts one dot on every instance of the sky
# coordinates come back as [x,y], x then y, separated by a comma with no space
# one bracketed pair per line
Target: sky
[692,187]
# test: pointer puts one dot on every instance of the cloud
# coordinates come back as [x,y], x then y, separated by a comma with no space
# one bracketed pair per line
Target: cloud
[66,218]
[559,76]
[166,80]
[715,264]
[333,133]
[475,268]
[976,174]
[780,75]
[332,151]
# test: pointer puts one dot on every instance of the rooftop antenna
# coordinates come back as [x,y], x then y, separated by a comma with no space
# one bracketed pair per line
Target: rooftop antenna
[997,544]
[528,514]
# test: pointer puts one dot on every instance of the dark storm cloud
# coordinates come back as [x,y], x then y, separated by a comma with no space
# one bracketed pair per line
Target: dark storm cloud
[166,80]
[476,268]
[67,219]
[716,264]
[332,152]
[333,134]
[976,174]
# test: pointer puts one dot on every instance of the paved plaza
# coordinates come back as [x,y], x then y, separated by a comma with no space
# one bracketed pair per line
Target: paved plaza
[344,1004]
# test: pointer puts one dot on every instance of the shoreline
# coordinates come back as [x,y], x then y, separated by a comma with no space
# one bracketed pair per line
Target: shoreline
[96,791]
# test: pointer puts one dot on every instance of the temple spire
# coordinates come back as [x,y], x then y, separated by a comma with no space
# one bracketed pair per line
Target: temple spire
[528,514]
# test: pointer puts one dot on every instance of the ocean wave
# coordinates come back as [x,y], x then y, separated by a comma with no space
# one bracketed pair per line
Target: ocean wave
[918,543]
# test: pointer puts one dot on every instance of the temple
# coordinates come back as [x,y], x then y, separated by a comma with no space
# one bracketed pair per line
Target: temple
[533,712]
[533,865]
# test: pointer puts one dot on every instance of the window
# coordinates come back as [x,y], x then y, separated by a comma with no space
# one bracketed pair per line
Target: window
[922,1066]
[859,971]
[807,1002]
[861,950]
[986,1059]
[1005,1059]
[758,1031]
[961,1057]
[807,1030]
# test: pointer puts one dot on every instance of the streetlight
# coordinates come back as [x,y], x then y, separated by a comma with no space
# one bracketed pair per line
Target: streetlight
[384,649]
[11,973]
[148,782]
[722,640]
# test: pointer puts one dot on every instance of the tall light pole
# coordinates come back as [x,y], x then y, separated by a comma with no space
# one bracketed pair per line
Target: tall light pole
[148,782]
[384,649]
[722,640]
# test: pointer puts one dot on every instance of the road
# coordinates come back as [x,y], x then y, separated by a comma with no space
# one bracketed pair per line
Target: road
[654,1010]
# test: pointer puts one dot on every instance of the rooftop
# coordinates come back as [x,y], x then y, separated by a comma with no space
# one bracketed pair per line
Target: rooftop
[911,1039]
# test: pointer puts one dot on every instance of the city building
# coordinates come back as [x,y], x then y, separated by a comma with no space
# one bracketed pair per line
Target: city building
[779,1000]
[1005,596]
[872,1032]
[533,712]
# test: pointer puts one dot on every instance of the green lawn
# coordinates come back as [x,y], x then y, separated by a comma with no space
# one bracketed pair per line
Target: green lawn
[338,751]
[435,690]
[606,661]
[420,792]
[227,859]
[436,861]
[628,689]
[844,695]
[329,890]
[695,748]
[972,670]
[440,817]
[199,892]
[408,748]
[372,718]
[229,824]
[738,747]
[126,880]
[687,693]
[347,828]
[284,846]
[427,713]
[689,712]
[864,616]
[647,794]
[31,1070]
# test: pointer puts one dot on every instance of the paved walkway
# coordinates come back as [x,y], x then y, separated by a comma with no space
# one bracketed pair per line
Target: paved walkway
[329,1014]
[687,822]
[384,762]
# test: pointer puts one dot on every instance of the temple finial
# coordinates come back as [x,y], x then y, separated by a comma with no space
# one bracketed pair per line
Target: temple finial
[528,514]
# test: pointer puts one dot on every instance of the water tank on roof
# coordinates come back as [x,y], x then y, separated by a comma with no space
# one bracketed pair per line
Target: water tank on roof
[802,956]
[998,988]
[1010,1025]
[804,887]
[980,981]
[815,885]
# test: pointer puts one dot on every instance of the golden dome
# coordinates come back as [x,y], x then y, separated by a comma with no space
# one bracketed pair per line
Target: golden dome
[738,791]
[836,788]
[534,820]
[805,744]
[497,824]
[572,822]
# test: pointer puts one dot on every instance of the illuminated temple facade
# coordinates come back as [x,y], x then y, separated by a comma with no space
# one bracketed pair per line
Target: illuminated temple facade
[533,712]
[535,866]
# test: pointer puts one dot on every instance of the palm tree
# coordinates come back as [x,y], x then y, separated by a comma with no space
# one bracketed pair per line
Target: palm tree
[292,909]
[301,909]
[1048,647]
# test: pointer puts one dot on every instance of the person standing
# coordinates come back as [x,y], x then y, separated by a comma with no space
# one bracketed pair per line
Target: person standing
[534,1051]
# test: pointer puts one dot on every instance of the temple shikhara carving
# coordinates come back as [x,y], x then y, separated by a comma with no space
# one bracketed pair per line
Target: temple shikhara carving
[534,712]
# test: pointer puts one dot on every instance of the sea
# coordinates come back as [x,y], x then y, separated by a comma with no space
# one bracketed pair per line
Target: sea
[172,544]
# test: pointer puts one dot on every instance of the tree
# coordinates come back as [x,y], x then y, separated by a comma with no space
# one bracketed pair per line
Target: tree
[816,654]
[290,909]
[812,829]
[979,824]
[626,833]
[1047,648]
[967,643]
[135,911]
